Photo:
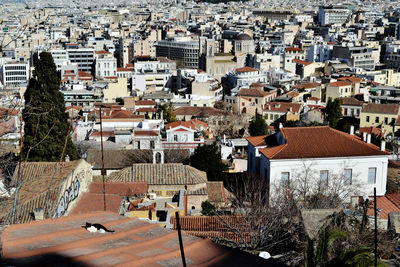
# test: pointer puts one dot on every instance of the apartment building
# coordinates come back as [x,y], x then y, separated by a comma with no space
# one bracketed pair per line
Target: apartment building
[184,50]
[84,57]
[333,14]
[14,74]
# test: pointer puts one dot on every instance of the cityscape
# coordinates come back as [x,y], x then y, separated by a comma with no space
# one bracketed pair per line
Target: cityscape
[200,133]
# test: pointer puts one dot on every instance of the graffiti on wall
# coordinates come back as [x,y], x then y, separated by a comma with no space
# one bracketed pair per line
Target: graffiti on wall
[70,194]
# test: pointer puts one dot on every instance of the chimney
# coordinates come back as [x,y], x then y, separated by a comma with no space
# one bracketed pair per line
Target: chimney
[67,158]
[365,136]
[369,138]
[280,125]
[383,145]
[352,130]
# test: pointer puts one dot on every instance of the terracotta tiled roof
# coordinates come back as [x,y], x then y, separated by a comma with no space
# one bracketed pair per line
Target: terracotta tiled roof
[145,103]
[372,130]
[307,85]
[135,242]
[146,110]
[114,192]
[351,101]
[282,107]
[293,49]
[114,159]
[200,112]
[104,133]
[187,124]
[350,79]
[340,83]
[124,69]
[314,98]
[323,142]
[302,62]
[257,140]
[381,108]
[146,133]
[74,107]
[102,52]
[385,205]
[36,177]
[253,92]
[165,174]
[123,114]
[246,69]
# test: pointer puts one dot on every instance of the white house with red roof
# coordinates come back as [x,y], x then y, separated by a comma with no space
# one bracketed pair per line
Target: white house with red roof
[184,134]
[322,156]
[244,77]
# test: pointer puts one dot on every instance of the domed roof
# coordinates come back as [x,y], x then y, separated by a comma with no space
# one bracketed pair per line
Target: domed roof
[243,37]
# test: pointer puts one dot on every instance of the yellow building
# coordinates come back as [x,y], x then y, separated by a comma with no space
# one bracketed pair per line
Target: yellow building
[380,115]
[116,88]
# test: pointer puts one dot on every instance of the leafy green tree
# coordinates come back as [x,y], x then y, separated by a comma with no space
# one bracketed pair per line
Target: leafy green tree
[333,111]
[208,158]
[257,126]
[167,112]
[46,122]
[207,208]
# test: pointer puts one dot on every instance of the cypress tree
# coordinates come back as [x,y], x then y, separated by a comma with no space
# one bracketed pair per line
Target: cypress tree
[46,122]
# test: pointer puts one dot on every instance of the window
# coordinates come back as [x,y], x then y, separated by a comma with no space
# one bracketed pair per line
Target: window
[377,119]
[138,144]
[175,137]
[371,175]
[323,175]
[348,175]
[367,118]
[284,178]
[386,120]
[152,145]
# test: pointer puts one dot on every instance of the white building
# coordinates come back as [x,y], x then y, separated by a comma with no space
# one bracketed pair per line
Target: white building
[60,58]
[332,15]
[326,156]
[105,64]
[14,74]
[84,57]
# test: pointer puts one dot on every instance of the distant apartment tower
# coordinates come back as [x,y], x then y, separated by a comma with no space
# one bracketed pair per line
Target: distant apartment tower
[84,57]
[15,74]
[332,14]
[184,51]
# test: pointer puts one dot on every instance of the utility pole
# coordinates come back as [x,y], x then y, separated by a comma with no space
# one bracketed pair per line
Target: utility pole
[376,231]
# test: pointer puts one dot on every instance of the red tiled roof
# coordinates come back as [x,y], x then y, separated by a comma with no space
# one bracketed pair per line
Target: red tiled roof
[246,69]
[314,98]
[187,124]
[146,110]
[282,107]
[105,133]
[146,133]
[8,112]
[385,205]
[253,92]
[307,85]
[145,103]
[293,49]
[83,74]
[257,140]
[351,101]
[323,142]
[381,108]
[302,62]
[340,83]
[123,114]
[372,130]
[135,242]
[74,107]
[124,69]
[200,112]
[350,79]
[102,52]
